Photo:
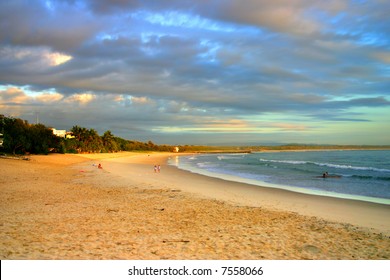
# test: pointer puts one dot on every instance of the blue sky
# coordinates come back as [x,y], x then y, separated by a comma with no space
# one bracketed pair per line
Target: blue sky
[201,72]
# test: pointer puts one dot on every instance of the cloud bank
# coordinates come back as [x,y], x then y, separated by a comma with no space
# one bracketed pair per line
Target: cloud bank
[201,71]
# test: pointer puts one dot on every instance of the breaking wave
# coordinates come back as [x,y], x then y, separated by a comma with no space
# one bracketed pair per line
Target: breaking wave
[339,166]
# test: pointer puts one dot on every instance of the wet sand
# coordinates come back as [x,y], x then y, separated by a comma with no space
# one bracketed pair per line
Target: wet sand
[64,207]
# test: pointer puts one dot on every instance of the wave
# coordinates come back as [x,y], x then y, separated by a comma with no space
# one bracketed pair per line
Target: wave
[206,165]
[235,156]
[370,177]
[339,166]
[285,161]
[352,167]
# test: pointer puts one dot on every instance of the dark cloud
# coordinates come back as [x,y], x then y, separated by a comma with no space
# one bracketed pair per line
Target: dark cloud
[62,28]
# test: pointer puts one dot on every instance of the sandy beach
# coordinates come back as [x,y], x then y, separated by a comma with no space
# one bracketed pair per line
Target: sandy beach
[64,207]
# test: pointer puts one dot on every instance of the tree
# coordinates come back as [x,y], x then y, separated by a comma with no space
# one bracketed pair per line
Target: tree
[109,143]
[42,139]
[93,142]
[121,143]
[21,137]
[16,138]
[151,146]
[87,140]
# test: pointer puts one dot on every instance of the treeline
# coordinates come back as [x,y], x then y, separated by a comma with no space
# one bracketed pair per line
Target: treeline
[88,141]
[20,137]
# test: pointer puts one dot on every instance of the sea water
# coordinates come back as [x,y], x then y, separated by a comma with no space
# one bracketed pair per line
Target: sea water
[361,174]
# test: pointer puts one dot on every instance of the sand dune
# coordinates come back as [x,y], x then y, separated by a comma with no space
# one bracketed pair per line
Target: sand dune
[64,207]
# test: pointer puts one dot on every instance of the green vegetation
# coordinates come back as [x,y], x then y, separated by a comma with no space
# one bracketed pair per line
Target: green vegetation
[20,137]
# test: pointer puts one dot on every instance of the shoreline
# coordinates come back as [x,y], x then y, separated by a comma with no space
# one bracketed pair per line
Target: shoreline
[64,207]
[237,179]
[367,214]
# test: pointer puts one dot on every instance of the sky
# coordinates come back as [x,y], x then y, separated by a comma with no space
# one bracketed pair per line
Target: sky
[201,72]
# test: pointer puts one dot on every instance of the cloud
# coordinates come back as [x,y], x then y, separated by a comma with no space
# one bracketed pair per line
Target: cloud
[83,98]
[62,28]
[56,58]
[382,56]
[49,97]
[36,53]
[150,67]
[286,17]
[140,100]
[13,95]
[290,127]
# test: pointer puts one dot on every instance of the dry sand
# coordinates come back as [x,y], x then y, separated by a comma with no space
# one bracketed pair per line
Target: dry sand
[64,207]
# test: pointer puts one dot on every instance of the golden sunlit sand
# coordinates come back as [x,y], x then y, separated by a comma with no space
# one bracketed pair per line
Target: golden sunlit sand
[64,207]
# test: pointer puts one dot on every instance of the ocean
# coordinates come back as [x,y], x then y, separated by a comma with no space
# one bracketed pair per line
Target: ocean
[358,174]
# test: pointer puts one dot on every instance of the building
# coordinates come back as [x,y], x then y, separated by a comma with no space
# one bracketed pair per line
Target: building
[62,133]
[59,133]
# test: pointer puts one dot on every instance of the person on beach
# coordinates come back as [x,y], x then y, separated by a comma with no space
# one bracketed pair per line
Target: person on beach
[155,169]
[100,166]
[158,168]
